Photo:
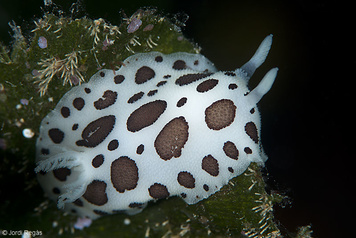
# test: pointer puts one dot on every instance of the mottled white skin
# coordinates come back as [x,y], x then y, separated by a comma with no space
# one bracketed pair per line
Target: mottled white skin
[202,141]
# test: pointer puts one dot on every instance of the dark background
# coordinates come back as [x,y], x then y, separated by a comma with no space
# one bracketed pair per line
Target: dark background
[307,116]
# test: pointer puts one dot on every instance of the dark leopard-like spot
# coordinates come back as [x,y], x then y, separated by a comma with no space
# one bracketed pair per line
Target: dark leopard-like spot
[248,150]
[96,193]
[65,111]
[159,59]
[119,79]
[87,90]
[179,65]
[78,103]
[140,149]
[210,165]
[152,92]
[207,85]
[161,83]
[113,145]
[124,174]
[145,115]
[206,187]
[172,138]
[220,114]
[135,97]
[232,86]
[181,102]
[44,151]
[190,78]
[96,131]
[109,98]
[78,202]
[75,127]
[56,135]
[230,150]
[158,191]
[186,179]
[144,74]
[251,131]
[61,174]
[98,161]
[56,191]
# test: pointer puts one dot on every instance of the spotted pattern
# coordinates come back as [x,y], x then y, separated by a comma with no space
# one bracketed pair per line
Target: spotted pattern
[144,74]
[161,83]
[96,193]
[160,126]
[65,111]
[232,86]
[124,174]
[87,90]
[206,187]
[78,103]
[98,161]
[230,150]
[220,114]
[159,58]
[152,92]
[182,101]
[179,65]
[207,85]
[135,97]
[248,150]
[190,78]
[78,203]
[158,191]
[61,174]
[108,99]
[140,149]
[186,179]
[118,79]
[113,145]
[145,115]
[251,131]
[44,151]
[96,131]
[75,127]
[170,141]
[56,135]
[210,165]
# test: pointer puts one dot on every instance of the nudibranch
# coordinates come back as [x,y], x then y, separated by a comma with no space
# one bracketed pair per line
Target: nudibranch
[162,125]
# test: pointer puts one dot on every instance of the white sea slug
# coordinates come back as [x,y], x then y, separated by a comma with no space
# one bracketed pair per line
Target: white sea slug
[160,126]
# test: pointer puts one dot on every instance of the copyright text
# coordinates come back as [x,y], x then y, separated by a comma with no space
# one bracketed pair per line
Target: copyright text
[22,233]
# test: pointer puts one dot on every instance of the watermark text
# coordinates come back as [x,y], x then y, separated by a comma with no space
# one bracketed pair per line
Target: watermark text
[22,233]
